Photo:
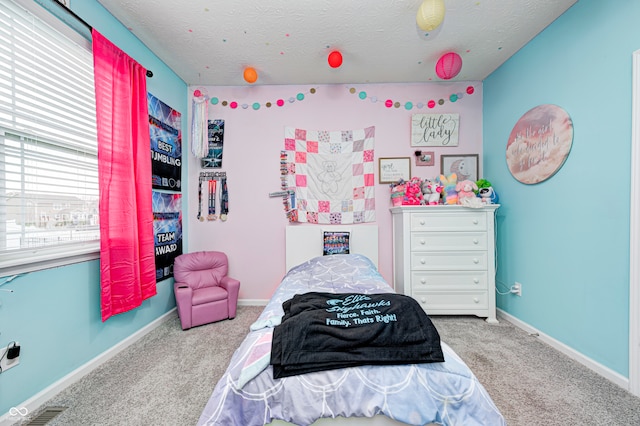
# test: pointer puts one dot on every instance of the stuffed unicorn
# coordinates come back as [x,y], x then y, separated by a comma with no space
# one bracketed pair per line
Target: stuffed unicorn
[449,186]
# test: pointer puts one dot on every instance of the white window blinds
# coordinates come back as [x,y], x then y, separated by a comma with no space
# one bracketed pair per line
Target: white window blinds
[48,148]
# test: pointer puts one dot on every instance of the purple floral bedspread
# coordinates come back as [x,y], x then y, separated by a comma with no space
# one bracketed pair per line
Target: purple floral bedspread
[247,394]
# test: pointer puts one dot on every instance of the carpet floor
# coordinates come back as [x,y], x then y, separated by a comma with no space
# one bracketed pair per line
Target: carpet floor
[167,377]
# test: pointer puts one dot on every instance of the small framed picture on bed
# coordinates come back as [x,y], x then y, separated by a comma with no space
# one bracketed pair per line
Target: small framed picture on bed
[335,243]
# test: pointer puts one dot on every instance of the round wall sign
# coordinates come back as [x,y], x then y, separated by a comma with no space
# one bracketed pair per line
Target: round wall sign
[539,143]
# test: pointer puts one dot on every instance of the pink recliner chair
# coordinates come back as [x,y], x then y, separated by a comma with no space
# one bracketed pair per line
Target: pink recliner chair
[204,292]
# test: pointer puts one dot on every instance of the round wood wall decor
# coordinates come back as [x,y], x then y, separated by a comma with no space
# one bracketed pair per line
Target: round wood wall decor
[539,143]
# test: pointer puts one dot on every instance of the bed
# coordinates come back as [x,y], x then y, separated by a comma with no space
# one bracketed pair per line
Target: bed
[387,393]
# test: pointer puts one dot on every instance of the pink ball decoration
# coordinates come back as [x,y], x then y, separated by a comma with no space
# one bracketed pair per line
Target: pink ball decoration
[280,102]
[335,59]
[470,90]
[233,105]
[388,103]
[197,93]
[431,103]
[449,65]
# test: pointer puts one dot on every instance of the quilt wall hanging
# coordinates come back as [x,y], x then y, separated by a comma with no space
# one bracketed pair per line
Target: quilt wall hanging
[329,175]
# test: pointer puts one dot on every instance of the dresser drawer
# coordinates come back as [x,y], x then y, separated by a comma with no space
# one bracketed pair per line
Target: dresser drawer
[449,221]
[448,241]
[448,280]
[439,261]
[455,301]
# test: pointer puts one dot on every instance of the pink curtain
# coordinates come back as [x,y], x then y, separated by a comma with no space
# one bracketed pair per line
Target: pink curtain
[127,262]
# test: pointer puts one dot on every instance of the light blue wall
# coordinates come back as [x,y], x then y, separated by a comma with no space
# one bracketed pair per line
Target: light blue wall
[55,314]
[567,239]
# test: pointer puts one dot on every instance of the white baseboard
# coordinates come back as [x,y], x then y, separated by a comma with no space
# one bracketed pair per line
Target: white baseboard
[600,369]
[34,403]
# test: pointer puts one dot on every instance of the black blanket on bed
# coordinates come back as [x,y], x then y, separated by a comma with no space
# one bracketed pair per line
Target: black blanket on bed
[323,331]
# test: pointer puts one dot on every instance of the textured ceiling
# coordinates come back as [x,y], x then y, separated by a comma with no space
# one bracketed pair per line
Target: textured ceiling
[210,42]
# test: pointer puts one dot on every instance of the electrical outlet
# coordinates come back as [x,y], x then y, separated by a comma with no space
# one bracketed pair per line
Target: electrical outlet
[5,363]
[516,289]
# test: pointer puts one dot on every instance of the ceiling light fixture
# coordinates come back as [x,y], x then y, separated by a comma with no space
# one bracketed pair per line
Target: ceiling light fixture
[430,14]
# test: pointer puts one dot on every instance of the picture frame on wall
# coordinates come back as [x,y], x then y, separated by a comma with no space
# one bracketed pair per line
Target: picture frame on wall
[392,169]
[435,129]
[425,158]
[465,166]
[215,135]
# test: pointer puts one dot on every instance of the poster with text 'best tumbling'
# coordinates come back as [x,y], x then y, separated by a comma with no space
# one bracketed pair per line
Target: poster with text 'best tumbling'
[166,145]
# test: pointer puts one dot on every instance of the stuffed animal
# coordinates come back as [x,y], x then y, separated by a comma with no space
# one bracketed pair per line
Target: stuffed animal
[466,189]
[488,195]
[449,187]
[486,192]
[431,192]
[412,193]
[397,192]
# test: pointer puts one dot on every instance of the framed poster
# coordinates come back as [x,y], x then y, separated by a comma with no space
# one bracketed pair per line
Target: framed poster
[434,129]
[335,243]
[215,136]
[465,166]
[391,170]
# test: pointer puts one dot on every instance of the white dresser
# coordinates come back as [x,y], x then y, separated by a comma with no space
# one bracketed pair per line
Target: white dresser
[444,257]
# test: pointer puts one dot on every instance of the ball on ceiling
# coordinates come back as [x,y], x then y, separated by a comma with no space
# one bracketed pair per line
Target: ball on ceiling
[250,75]
[335,59]
[430,14]
[449,65]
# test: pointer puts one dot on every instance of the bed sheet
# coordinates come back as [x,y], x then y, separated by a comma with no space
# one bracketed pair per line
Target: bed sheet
[247,394]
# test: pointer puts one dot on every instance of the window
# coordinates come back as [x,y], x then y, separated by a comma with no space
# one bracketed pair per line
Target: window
[48,148]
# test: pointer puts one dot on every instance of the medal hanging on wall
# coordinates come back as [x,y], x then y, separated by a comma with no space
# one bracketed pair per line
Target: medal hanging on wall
[212,200]
[224,199]
[200,217]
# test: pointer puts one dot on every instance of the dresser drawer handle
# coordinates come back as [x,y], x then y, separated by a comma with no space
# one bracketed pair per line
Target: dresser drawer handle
[476,300]
[422,241]
[423,261]
[476,281]
[476,261]
[423,280]
[423,300]
[421,221]
[475,241]
[475,221]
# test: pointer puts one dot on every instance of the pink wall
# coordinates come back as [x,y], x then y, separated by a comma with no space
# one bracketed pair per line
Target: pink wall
[254,234]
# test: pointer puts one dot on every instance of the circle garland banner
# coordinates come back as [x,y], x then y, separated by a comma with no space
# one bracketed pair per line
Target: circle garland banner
[389,103]
[257,105]
[539,143]
[409,105]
